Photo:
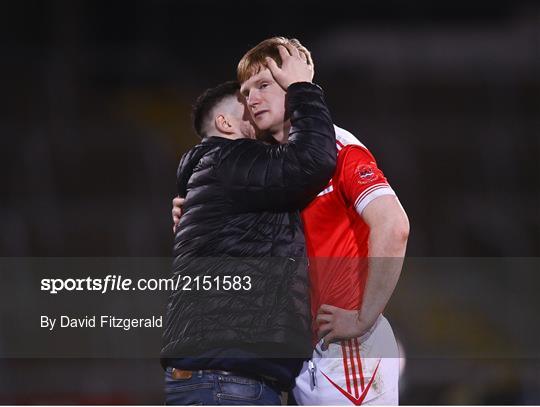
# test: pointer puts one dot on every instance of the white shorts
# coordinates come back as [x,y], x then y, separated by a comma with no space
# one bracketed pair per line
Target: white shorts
[359,371]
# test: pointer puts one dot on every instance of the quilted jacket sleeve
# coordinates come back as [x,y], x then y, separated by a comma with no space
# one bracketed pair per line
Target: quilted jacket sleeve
[261,177]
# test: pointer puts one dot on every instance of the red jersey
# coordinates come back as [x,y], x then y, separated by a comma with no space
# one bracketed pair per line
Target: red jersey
[336,235]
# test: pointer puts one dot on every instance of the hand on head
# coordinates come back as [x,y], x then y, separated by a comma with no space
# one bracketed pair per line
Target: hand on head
[294,66]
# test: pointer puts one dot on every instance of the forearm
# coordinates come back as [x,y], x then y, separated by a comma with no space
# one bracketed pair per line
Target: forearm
[287,177]
[387,245]
[312,139]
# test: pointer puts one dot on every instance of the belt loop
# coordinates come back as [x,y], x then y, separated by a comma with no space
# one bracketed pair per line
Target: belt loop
[200,373]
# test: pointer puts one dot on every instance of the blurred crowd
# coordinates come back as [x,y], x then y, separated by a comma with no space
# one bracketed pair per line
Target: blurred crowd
[446,97]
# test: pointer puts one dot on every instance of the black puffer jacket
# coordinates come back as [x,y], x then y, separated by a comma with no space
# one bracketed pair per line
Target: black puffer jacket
[241,218]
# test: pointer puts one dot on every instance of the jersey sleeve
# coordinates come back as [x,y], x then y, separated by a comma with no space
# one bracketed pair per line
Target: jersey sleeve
[361,181]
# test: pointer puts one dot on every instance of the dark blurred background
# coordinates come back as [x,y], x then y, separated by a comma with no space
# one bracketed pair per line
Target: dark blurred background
[97,96]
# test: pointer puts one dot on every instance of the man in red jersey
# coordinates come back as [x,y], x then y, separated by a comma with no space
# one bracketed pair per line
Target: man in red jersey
[356,234]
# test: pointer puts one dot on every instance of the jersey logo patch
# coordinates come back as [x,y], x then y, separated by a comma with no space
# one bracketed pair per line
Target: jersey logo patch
[365,174]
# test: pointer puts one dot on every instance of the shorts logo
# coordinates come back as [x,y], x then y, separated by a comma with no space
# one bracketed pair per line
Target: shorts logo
[365,174]
[351,358]
[357,401]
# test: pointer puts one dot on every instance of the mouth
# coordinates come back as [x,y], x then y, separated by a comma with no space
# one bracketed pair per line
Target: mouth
[258,114]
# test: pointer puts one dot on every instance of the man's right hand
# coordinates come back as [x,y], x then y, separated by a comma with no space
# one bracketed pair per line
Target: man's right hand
[177,211]
[294,67]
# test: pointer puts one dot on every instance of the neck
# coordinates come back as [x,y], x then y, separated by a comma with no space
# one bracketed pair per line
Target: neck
[281,135]
[227,136]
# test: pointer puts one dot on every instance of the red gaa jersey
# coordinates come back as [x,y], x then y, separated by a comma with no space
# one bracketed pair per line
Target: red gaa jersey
[336,235]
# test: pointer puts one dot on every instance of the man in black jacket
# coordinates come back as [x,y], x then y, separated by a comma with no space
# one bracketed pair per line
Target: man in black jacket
[239,328]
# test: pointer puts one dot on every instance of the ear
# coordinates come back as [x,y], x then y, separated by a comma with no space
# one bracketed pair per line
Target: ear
[223,124]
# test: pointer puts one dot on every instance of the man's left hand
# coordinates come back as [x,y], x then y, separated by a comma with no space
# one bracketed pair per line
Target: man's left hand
[338,323]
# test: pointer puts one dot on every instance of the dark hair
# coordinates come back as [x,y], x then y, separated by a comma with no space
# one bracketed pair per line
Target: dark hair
[208,100]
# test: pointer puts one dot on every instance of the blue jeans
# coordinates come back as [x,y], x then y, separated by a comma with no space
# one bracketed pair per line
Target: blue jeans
[205,388]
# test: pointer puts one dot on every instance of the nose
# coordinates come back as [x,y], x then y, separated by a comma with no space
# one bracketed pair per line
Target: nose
[253,98]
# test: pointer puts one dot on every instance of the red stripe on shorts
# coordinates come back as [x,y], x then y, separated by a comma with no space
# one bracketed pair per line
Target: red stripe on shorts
[359,361]
[351,357]
[345,366]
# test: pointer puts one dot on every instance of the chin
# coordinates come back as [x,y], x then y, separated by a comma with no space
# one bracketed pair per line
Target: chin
[263,127]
